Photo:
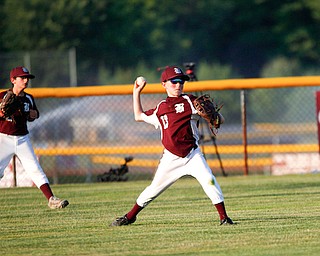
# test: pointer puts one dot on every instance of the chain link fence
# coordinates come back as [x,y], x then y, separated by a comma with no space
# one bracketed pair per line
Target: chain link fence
[80,139]
[89,139]
[101,132]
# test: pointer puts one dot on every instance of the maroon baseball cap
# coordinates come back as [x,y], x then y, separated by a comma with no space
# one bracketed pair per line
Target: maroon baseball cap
[20,71]
[173,72]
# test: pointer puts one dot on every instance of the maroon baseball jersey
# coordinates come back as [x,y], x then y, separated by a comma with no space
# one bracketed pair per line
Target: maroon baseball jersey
[17,125]
[178,121]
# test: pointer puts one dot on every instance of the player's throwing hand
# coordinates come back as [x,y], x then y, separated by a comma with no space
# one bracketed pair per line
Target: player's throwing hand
[140,83]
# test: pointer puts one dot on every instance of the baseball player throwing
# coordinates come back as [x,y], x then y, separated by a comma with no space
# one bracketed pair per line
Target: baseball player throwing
[14,138]
[178,121]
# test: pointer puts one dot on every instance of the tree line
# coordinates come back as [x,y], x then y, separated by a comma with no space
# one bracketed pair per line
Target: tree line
[249,36]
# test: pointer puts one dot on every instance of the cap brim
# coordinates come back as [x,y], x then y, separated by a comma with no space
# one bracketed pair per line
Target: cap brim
[186,77]
[183,77]
[26,75]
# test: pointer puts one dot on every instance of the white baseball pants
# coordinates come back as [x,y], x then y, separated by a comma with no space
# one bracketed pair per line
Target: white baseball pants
[172,167]
[22,148]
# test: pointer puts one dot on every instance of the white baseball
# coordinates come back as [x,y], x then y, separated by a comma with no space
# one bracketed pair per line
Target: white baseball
[140,80]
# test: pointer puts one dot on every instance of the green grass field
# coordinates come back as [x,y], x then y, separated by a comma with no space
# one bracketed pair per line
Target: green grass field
[274,216]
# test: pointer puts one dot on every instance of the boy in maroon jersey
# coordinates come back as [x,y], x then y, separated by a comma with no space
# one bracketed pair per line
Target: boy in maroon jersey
[14,138]
[178,120]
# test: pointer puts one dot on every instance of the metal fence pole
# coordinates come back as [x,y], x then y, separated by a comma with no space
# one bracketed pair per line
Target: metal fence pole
[14,170]
[73,67]
[27,64]
[243,97]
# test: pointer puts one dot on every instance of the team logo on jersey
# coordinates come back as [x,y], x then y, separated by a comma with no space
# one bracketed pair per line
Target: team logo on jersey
[179,108]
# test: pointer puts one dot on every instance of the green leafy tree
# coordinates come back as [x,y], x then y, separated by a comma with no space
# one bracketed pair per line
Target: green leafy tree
[243,34]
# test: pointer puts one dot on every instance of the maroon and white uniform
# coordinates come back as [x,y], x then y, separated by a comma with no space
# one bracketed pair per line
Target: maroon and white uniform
[18,126]
[14,140]
[178,121]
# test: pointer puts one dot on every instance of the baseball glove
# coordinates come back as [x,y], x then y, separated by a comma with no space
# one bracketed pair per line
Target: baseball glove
[10,104]
[209,111]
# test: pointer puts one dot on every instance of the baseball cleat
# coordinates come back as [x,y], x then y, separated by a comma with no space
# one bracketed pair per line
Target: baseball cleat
[122,221]
[57,203]
[226,221]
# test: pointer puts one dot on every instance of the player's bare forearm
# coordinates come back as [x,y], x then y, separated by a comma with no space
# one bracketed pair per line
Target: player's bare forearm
[137,106]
